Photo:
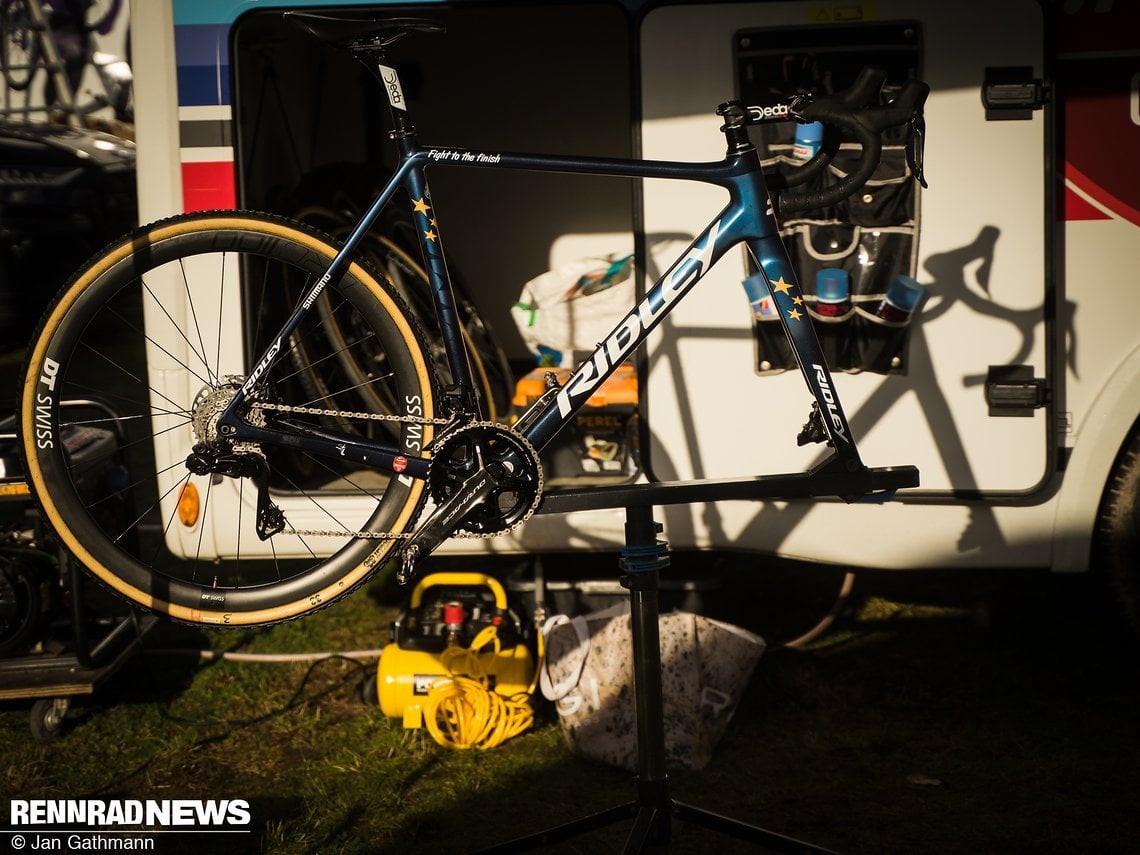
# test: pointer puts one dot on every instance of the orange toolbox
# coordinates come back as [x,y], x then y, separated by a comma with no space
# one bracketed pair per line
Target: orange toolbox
[600,445]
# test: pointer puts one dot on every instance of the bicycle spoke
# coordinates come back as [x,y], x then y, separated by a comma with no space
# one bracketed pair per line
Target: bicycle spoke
[221,314]
[174,324]
[153,500]
[103,393]
[331,395]
[346,478]
[197,327]
[202,529]
[158,551]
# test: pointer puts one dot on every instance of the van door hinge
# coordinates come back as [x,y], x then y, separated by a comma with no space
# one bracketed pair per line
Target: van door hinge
[1012,92]
[1012,390]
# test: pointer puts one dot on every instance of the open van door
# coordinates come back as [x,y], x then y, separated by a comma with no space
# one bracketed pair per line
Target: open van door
[961,391]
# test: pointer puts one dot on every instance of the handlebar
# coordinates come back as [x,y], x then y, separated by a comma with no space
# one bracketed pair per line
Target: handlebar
[855,110]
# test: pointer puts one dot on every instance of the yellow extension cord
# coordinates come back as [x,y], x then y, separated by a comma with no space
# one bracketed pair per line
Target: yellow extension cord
[462,711]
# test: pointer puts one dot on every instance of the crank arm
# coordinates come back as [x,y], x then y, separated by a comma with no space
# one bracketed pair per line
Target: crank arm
[443,523]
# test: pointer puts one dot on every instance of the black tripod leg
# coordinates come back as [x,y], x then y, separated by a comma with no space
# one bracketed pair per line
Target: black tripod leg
[770,840]
[563,832]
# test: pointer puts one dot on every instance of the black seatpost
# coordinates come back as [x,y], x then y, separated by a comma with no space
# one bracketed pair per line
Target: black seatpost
[368,40]
[377,63]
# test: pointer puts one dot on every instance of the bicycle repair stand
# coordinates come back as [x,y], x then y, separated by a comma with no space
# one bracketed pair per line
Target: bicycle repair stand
[642,560]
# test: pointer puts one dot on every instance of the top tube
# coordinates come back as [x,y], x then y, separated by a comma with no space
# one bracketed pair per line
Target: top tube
[739,173]
[722,172]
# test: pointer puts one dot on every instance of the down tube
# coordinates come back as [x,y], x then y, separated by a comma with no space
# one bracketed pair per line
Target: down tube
[721,235]
[785,291]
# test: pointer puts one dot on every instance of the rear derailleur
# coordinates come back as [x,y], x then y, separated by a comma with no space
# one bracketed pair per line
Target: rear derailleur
[215,454]
[220,458]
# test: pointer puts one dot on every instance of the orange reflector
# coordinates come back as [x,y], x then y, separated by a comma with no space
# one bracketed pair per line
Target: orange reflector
[188,506]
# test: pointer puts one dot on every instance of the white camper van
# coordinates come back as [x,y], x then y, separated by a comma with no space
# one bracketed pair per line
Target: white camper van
[1015,386]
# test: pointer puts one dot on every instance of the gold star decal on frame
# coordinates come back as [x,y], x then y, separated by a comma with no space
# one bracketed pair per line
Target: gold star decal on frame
[430,235]
[420,206]
[794,314]
[782,286]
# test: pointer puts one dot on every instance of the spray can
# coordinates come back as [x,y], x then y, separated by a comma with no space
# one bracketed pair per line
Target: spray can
[758,298]
[832,292]
[900,300]
[809,137]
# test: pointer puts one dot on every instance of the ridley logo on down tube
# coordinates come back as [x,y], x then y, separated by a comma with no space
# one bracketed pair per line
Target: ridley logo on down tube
[621,341]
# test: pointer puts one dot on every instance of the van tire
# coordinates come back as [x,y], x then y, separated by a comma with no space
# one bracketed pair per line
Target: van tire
[1116,542]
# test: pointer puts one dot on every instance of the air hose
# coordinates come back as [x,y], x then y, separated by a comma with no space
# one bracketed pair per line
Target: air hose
[463,711]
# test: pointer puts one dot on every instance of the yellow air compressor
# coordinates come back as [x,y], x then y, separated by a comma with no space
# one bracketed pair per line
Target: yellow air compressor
[458,656]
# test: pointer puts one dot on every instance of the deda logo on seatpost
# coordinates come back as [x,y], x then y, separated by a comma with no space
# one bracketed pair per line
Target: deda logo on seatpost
[392,87]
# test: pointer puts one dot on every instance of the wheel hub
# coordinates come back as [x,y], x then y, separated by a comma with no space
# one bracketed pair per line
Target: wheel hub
[209,404]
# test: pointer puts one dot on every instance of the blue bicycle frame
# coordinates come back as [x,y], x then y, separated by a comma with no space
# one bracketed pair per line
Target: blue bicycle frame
[747,219]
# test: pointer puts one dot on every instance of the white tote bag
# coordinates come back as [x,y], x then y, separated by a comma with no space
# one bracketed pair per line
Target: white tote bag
[588,673]
[574,307]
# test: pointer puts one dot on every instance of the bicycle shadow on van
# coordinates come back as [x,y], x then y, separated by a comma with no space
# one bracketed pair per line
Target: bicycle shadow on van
[948,286]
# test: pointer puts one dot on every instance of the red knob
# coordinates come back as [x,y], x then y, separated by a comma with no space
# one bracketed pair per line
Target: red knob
[453,614]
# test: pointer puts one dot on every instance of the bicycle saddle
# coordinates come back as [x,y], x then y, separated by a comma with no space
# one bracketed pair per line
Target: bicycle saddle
[360,34]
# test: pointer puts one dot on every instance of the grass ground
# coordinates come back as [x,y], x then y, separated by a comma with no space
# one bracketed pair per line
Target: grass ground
[977,713]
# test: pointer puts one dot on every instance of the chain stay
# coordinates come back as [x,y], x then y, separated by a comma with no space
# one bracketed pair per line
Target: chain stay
[385,417]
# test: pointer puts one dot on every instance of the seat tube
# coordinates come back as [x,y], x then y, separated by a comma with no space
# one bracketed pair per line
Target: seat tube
[404,133]
[786,294]
[427,231]
[450,324]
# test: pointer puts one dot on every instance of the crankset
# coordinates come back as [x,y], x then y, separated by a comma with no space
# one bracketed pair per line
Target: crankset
[486,480]
[511,462]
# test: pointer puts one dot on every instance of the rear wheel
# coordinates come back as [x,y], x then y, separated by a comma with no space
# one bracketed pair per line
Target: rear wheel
[154,328]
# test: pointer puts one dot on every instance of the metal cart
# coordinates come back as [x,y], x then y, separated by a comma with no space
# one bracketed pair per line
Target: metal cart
[53,646]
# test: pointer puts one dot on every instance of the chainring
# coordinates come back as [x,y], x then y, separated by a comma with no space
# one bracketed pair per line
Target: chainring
[461,454]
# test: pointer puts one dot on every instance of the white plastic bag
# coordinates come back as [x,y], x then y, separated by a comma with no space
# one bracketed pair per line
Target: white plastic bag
[575,306]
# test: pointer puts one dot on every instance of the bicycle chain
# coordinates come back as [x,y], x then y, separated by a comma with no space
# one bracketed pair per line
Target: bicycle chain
[376,417]
[386,417]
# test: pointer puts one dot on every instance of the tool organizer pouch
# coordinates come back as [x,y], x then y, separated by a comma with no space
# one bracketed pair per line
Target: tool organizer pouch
[873,236]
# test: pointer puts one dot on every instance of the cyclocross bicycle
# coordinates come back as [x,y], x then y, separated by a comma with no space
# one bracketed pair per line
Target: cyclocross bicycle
[171,326]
